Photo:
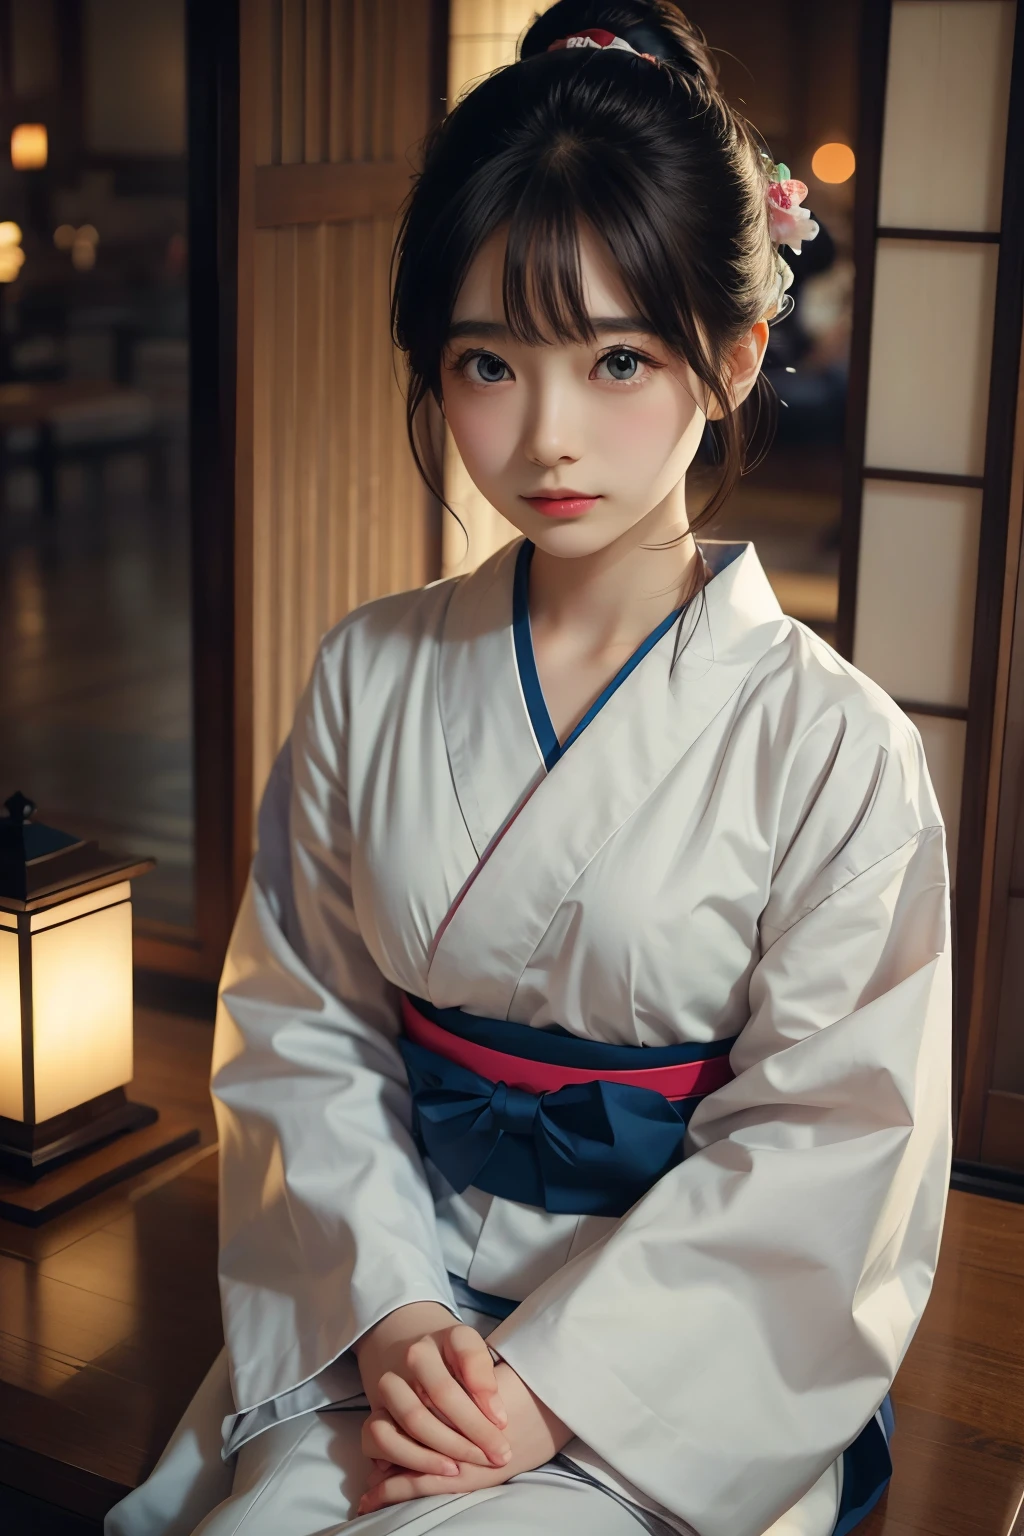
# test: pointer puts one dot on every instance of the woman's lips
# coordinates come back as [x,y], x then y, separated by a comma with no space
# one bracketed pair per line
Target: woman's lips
[572,505]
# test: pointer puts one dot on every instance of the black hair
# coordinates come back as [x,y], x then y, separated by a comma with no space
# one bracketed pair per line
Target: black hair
[648,155]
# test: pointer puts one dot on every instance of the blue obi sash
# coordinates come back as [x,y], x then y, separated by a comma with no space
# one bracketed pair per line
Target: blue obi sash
[590,1147]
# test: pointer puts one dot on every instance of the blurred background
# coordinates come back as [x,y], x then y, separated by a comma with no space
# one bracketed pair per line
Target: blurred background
[791,67]
[95,692]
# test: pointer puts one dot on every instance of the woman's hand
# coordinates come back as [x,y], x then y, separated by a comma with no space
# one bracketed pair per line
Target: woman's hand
[431,1387]
[534,1432]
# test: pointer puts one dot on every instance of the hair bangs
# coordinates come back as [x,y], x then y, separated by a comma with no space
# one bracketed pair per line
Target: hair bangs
[542,281]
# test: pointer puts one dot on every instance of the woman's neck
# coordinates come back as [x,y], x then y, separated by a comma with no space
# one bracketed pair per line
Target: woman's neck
[609,601]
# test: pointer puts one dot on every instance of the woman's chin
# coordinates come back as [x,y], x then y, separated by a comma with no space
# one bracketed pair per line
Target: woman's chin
[569,537]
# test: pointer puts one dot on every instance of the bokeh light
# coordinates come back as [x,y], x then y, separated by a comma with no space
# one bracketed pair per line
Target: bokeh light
[83,248]
[29,147]
[12,258]
[80,242]
[833,162]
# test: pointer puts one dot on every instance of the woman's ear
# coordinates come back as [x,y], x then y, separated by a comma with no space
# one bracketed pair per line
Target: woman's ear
[744,366]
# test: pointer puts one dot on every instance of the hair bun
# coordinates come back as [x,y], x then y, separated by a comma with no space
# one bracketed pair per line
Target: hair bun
[651,26]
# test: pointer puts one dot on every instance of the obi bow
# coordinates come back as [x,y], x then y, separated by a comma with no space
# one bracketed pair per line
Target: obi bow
[589,1148]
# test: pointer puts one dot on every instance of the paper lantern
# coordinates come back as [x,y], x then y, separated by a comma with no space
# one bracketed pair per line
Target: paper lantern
[66,1020]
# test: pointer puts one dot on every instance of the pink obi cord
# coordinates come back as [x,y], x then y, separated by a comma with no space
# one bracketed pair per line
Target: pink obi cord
[684,1081]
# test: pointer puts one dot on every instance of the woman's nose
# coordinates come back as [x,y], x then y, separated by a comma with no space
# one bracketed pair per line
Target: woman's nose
[551,431]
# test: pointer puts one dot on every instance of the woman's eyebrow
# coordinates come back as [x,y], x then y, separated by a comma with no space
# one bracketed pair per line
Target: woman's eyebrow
[497,331]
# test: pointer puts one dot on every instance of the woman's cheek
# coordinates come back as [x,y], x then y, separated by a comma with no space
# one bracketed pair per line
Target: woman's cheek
[483,430]
[642,433]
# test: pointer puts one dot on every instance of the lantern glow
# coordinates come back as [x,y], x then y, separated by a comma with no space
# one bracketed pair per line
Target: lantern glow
[82,999]
[66,1019]
[12,1105]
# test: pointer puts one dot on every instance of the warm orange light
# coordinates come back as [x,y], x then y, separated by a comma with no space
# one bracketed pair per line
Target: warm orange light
[29,147]
[81,1002]
[12,259]
[83,248]
[833,162]
[83,255]
[81,999]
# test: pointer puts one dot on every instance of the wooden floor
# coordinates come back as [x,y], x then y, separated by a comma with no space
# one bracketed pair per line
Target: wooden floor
[109,1314]
[95,690]
[109,1319]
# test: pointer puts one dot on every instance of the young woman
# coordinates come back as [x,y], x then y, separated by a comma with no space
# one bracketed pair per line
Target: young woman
[591,992]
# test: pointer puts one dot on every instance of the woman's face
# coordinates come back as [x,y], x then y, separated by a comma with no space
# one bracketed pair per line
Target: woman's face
[575,443]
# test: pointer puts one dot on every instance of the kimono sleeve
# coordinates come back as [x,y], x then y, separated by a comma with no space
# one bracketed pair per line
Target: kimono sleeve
[727,1340]
[327,1220]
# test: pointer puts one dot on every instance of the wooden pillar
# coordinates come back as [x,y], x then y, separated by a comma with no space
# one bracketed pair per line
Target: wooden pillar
[336,97]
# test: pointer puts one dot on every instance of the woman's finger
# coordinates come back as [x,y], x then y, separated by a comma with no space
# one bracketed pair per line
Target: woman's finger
[421,1423]
[383,1440]
[403,1486]
[470,1361]
[391,1490]
[379,1470]
[425,1364]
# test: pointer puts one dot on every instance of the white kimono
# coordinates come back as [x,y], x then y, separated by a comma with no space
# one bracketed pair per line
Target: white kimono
[743,841]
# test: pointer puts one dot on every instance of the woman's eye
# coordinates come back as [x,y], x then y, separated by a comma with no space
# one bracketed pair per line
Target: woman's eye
[485,368]
[623,366]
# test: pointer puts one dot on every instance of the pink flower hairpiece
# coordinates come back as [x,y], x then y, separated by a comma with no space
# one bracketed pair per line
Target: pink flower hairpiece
[788,223]
[597,37]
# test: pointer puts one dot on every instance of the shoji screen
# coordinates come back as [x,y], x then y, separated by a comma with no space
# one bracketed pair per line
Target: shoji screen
[939,206]
[933,386]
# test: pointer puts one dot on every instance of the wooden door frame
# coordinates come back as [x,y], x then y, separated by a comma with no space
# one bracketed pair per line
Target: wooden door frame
[998,554]
[218,595]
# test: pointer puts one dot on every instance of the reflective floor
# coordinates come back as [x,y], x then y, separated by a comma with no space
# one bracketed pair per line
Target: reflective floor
[95,705]
[109,1314]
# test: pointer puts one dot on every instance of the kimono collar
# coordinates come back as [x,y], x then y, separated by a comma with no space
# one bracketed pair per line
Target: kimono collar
[562,818]
[494,755]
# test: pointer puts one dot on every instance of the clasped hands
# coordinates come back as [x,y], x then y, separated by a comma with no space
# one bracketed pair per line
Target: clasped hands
[443,1418]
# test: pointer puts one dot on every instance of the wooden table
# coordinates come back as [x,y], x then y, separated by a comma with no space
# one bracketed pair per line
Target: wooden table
[109,1319]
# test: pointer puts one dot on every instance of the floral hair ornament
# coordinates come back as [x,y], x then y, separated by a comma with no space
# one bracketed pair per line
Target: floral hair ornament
[597,37]
[788,224]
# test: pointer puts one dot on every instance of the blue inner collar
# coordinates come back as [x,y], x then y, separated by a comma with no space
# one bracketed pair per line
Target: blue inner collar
[547,739]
